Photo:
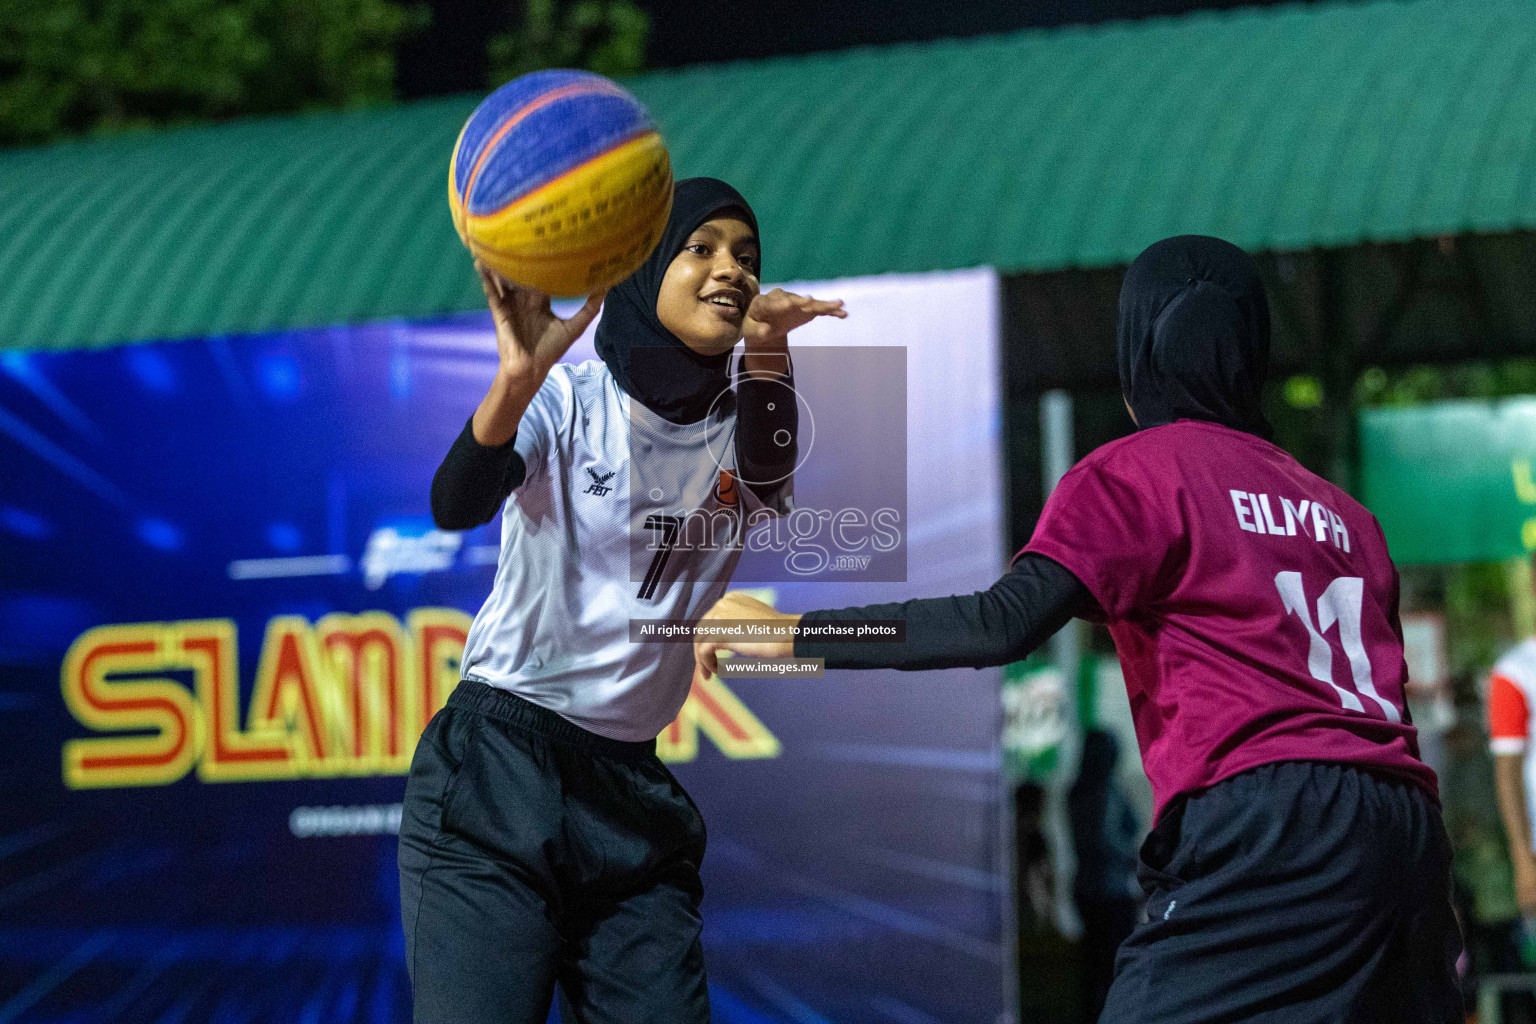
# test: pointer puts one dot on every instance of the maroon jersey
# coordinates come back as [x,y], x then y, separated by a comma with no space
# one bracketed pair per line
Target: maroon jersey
[1253,605]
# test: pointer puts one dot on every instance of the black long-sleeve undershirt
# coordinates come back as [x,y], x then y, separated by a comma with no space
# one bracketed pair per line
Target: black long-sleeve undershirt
[763,414]
[997,626]
[474,479]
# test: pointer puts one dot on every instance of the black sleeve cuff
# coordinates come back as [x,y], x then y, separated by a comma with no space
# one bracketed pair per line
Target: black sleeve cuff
[473,481]
[766,438]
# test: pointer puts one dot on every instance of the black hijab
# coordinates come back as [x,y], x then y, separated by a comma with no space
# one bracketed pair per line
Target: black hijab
[1194,335]
[664,375]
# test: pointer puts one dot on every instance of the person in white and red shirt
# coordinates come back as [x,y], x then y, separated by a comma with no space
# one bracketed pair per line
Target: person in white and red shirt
[1511,700]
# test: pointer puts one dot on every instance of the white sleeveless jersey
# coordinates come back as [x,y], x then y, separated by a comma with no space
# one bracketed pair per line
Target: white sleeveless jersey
[1511,706]
[600,470]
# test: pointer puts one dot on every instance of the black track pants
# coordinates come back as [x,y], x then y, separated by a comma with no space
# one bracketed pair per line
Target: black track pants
[534,852]
[1294,893]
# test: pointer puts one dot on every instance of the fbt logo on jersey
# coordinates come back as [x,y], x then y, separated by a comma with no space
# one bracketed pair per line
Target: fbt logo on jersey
[1255,514]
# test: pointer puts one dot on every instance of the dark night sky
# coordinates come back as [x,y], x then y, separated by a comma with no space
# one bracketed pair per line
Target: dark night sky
[450,56]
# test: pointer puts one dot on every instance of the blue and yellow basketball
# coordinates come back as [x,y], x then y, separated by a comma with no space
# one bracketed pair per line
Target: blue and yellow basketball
[560,181]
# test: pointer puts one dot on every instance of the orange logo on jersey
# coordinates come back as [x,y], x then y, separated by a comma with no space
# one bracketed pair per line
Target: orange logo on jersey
[725,491]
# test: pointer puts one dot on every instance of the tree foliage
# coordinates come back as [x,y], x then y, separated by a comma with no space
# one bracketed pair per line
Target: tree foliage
[79,66]
[1415,384]
[605,36]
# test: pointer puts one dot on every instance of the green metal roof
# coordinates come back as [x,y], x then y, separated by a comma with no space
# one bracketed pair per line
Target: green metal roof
[1278,128]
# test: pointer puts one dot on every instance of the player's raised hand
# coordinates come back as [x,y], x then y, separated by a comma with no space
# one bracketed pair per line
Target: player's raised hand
[774,314]
[529,340]
[740,607]
[529,337]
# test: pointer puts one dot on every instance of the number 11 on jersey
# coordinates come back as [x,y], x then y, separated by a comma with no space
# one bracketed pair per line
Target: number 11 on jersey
[1340,603]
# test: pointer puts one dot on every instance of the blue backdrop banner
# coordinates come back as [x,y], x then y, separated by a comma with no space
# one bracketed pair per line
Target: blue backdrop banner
[225,617]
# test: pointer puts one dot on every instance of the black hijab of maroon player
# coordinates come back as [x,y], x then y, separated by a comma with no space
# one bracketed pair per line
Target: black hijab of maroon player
[1194,335]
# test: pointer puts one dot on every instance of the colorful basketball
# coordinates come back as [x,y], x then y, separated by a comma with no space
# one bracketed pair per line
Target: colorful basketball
[559,181]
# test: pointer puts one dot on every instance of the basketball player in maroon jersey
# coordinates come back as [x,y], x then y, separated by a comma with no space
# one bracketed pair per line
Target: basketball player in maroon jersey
[1298,869]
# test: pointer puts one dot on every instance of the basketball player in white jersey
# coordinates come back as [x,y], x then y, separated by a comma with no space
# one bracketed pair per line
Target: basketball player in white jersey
[542,841]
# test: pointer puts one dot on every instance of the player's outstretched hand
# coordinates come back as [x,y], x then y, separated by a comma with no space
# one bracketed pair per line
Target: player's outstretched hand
[740,607]
[529,337]
[773,315]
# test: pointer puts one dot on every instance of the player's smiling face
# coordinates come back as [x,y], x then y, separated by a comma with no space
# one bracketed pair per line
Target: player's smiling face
[709,285]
